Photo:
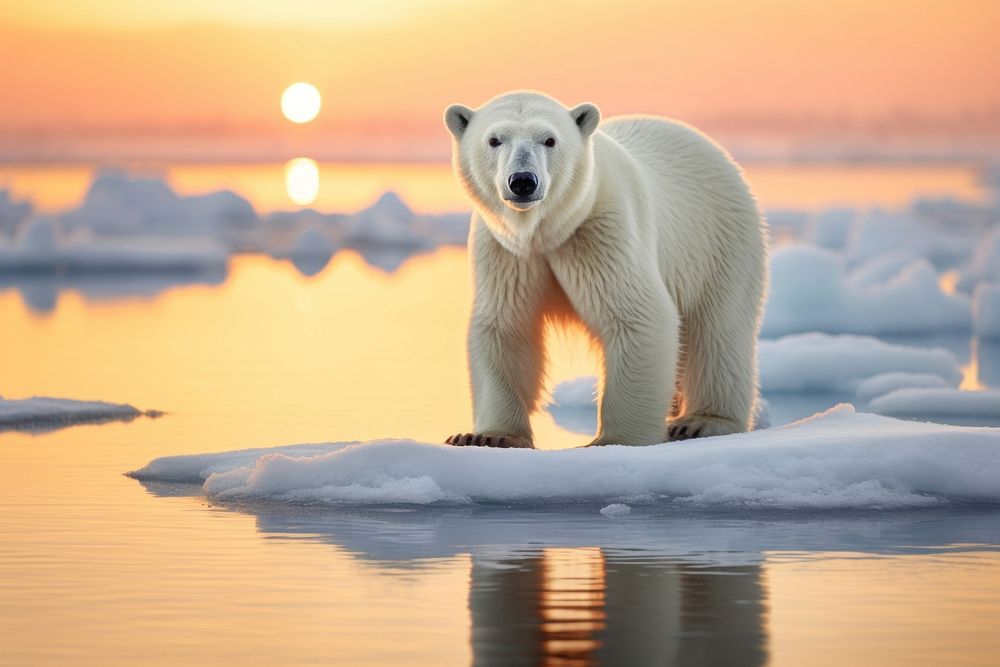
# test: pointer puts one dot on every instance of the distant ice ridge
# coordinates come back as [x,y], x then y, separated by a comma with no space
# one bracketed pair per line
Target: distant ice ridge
[41,412]
[41,247]
[133,223]
[835,460]
[387,224]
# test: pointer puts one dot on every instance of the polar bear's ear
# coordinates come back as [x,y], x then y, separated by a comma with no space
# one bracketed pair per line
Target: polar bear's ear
[586,116]
[457,118]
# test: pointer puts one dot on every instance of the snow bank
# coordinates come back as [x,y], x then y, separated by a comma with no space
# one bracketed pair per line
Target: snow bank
[949,402]
[986,307]
[45,412]
[838,459]
[821,362]
[883,383]
[812,291]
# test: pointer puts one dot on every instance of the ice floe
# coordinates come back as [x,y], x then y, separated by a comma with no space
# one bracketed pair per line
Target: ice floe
[838,459]
[41,413]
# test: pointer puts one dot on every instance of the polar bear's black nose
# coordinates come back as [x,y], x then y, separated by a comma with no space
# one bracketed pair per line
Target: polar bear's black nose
[523,183]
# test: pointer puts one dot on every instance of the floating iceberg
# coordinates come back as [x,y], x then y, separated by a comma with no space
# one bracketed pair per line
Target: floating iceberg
[838,459]
[986,307]
[821,362]
[40,413]
[11,213]
[811,290]
[939,402]
[121,205]
[578,393]
[883,383]
[831,228]
[878,232]
[985,266]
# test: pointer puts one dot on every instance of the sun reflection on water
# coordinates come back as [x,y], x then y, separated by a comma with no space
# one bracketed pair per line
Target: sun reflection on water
[302,180]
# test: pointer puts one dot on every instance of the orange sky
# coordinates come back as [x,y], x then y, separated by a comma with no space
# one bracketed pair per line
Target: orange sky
[213,69]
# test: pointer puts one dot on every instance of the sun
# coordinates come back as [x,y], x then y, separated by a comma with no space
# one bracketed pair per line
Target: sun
[300,102]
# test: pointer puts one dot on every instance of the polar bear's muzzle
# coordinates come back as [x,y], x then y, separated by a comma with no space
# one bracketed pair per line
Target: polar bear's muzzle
[522,188]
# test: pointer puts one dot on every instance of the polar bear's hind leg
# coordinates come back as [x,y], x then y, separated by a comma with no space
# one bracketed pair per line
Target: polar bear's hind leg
[718,379]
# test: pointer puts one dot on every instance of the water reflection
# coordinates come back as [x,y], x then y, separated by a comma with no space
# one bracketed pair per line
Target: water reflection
[40,292]
[310,265]
[302,180]
[662,586]
[576,606]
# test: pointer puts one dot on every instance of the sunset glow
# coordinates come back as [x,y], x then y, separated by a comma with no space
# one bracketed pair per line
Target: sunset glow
[776,66]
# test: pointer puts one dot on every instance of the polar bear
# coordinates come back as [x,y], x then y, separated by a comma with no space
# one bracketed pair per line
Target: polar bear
[641,228]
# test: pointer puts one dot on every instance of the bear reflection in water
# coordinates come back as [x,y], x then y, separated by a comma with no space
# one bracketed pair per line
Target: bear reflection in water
[665,585]
[577,606]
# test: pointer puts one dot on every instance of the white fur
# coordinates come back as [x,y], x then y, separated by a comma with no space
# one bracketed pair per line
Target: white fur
[646,232]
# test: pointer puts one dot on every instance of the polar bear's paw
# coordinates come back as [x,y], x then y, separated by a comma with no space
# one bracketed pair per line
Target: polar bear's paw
[701,426]
[502,441]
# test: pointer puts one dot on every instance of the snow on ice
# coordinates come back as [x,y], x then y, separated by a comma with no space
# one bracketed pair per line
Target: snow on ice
[834,460]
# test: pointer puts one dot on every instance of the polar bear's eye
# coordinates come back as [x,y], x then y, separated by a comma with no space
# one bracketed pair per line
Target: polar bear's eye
[494,142]
[550,142]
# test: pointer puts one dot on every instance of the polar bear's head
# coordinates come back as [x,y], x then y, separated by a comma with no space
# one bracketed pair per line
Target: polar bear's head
[525,161]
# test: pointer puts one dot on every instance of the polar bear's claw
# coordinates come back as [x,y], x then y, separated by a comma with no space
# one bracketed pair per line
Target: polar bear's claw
[480,440]
[700,426]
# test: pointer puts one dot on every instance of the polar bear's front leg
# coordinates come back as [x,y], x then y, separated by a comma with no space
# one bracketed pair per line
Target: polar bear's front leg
[506,357]
[505,344]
